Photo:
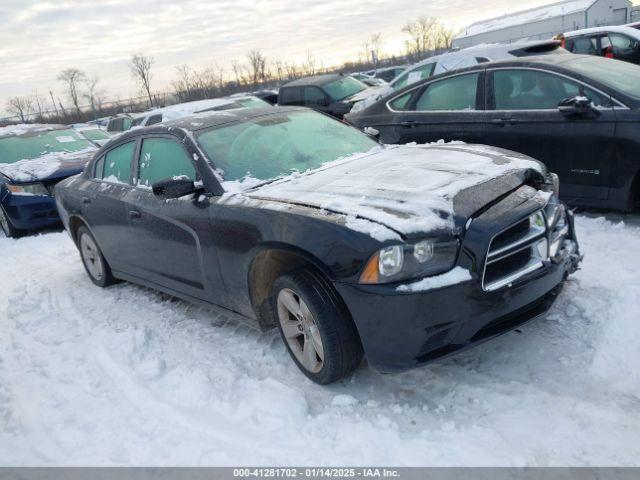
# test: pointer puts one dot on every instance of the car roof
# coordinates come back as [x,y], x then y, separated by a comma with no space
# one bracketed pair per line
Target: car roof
[614,28]
[314,80]
[212,118]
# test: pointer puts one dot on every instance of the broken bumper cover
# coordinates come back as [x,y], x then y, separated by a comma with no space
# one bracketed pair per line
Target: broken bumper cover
[401,330]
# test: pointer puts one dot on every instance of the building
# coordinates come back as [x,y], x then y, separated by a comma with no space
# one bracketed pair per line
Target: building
[546,21]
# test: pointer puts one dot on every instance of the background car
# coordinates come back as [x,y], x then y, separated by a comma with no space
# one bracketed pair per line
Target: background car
[333,94]
[619,42]
[173,112]
[455,60]
[33,159]
[344,259]
[578,114]
[93,133]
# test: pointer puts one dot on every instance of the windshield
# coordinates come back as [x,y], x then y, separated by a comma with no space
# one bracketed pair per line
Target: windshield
[344,87]
[271,146]
[622,76]
[14,149]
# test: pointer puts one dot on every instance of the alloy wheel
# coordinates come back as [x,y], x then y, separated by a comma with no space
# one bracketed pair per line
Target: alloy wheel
[91,256]
[300,330]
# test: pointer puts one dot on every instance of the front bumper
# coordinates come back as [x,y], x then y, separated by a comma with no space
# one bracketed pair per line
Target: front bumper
[401,330]
[30,212]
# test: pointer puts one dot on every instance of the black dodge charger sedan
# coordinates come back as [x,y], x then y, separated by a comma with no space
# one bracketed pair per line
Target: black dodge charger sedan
[578,114]
[289,218]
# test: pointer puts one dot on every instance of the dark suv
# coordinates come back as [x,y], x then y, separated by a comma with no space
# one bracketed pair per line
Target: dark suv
[578,114]
[330,94]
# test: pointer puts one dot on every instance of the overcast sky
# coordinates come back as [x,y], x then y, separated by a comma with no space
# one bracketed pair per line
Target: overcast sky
[38,39]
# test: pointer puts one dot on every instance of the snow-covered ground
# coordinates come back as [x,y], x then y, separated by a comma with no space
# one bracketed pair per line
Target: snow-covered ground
[127,376]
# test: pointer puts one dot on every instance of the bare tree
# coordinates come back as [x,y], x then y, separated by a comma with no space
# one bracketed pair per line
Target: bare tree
[72,78]
[55,107]
[426,34]
[372,48]
[141,70]
[20,107]
[93,94]
[310,65]
[238,69]
[39,104]
[258,65]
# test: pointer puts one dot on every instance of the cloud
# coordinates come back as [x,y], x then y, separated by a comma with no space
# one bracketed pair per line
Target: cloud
[40,38]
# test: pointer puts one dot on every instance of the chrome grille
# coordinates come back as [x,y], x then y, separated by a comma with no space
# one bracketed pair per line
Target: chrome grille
[516,251]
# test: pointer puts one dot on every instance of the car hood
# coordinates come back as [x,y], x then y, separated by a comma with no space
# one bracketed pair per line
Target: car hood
[47,167]
[410,189]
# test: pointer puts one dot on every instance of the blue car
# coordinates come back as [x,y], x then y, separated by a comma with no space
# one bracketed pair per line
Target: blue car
[33,159]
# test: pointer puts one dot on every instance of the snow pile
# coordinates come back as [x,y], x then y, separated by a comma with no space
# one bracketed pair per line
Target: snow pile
[127,376]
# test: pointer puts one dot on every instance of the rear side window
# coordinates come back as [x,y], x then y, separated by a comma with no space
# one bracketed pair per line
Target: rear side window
[455,93]
[153,119]
[117,164]
[536,90]
[162,158]
[290,96]
[583,45]
[413,76]
[313,96]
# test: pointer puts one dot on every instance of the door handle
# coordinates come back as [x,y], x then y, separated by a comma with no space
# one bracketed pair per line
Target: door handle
[503,121]
[408,123]
[134,214]
[86,200]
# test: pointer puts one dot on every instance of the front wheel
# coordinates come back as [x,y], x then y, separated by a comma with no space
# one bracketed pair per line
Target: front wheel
[316,327]
[94,263]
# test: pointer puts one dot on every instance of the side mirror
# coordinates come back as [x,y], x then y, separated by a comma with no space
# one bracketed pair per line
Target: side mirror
[174,187]
[372,132]
[578,105]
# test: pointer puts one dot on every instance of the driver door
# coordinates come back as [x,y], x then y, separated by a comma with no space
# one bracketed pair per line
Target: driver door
[522,115]
[172,235]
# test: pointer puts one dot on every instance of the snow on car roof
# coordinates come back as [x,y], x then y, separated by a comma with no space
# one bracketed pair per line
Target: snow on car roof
[613,28]
[24,128]
[526,16]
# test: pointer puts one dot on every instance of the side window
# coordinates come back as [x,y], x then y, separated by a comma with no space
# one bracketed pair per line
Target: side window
[313,96]
[117,163]
[153,119]
[401,102]
[536,90]
[126,124]
[290,96]
[414,75]
[455,93]
[583,45]
[99,168]
[162,158]
[622,41]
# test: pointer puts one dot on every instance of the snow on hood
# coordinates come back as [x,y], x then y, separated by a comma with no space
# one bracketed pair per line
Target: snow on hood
[48,165]
[369,97]
[407,188]
[22,128]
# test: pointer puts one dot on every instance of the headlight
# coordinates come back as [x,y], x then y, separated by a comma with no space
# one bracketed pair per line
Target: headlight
[30,188]
[401,262]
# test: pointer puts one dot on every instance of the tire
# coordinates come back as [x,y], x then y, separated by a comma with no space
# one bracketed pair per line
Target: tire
[94,263]
[309,313]
[5,224]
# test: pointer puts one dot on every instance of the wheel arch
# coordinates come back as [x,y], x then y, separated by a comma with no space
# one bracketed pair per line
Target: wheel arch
[271,261]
